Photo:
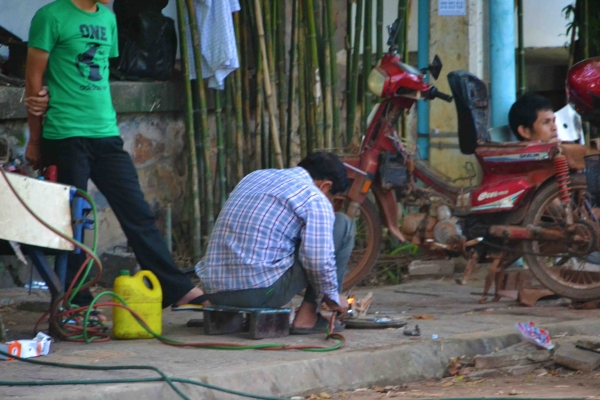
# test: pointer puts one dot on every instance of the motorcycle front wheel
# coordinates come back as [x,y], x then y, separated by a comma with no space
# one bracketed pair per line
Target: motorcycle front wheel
[553,263]
[367,240]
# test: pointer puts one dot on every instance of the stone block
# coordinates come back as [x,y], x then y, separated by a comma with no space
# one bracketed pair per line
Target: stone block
[114,261]
[520,354]
[431,268]
[571,357]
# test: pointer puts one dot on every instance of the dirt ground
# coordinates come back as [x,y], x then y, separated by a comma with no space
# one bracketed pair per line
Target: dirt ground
[541,384]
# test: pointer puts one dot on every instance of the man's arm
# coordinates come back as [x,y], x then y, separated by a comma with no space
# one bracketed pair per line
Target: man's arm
[37,62]
[317,252]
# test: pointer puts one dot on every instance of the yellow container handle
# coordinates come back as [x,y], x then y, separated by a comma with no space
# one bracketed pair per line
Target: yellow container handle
[151,277]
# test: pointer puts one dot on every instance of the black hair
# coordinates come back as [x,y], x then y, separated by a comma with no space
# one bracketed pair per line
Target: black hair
[525,112]
[326,166]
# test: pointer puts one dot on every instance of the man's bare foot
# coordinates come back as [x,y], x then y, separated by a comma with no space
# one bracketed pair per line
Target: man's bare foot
[306,316]
[191,295]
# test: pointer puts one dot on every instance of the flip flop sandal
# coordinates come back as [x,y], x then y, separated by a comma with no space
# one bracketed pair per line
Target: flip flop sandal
[320,327]
[195,306]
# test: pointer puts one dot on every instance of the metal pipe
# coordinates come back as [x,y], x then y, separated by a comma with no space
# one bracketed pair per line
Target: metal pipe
[423,62]
[502,59]
[522,75]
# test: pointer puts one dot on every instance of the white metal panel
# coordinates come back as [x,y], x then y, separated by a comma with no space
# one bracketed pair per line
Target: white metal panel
[50,201]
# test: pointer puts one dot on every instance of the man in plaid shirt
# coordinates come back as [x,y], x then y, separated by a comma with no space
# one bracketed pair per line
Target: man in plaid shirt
[277,235]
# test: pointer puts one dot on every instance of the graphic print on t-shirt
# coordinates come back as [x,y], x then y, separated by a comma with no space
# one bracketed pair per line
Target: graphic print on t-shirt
[85,62]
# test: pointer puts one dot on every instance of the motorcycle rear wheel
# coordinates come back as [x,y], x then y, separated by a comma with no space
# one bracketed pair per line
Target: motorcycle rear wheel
[367,240]
[571,277]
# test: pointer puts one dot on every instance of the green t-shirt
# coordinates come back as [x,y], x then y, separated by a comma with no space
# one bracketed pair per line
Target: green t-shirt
[80,44]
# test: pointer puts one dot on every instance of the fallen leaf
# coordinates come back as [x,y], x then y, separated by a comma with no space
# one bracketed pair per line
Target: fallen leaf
[424,317]
[325,395]
[447,384]
[513,392]
[379,389]
[561,386]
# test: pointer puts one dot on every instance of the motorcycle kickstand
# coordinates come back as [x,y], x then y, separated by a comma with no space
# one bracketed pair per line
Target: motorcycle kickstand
[492,277]
[471,264]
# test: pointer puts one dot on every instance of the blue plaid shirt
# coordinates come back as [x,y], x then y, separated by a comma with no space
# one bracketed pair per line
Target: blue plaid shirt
[256,234]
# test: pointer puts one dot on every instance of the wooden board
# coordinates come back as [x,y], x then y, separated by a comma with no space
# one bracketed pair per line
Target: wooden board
[50,201]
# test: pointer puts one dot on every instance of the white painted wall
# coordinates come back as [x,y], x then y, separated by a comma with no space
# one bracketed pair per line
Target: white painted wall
[16,15]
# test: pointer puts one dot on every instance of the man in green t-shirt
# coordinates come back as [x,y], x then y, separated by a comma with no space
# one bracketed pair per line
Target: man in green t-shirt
[70,42]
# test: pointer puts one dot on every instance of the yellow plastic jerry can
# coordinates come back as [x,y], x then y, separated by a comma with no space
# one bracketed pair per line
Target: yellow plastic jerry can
[144,299]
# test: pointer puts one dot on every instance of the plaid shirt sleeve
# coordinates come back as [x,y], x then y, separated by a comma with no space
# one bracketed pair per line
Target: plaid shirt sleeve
[317,248]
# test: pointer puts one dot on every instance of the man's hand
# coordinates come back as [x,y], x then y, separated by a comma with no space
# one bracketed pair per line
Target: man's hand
[340,309]
[33,154]
[38,105]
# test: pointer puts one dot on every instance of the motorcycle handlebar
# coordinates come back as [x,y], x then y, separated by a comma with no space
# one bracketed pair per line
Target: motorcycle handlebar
[434,92]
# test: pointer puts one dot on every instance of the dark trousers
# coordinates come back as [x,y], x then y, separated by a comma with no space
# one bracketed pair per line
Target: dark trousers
[111,169]
[294,280]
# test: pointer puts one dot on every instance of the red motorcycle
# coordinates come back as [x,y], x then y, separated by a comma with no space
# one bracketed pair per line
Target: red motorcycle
[532,201]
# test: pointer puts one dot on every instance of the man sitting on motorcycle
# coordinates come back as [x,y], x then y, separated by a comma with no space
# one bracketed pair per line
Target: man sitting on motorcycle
[531,119]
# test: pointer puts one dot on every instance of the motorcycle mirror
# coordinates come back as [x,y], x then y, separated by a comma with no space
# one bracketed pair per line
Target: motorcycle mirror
[435,67]
[393,32]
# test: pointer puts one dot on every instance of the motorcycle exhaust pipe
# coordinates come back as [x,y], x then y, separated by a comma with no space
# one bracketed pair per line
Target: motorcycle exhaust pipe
[530,232]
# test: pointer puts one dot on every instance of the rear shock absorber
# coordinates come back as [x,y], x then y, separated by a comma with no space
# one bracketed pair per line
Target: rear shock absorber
[561,170]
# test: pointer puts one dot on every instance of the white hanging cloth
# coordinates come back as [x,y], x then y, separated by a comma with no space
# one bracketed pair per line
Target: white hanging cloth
[217,39]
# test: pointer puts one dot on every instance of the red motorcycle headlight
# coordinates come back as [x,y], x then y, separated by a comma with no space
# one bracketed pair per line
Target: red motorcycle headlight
[377,81]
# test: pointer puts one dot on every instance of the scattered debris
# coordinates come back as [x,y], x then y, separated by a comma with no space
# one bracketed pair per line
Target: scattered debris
[320,396]
[518,360]
[424,317]
[431,268]
[361,306]
[412,332]
[537,336]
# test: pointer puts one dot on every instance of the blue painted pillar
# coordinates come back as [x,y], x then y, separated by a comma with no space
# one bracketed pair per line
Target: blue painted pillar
[423,62]
[502,59]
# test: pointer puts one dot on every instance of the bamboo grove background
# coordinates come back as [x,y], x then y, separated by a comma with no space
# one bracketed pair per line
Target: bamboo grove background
[289,97]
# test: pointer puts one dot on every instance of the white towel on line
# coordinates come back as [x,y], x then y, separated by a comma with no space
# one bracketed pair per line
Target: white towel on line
[217,39]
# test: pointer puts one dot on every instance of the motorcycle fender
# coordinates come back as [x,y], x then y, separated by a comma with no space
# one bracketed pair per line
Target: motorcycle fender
[388,209]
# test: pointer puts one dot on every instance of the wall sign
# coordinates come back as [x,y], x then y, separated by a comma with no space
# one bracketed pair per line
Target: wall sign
[452,7]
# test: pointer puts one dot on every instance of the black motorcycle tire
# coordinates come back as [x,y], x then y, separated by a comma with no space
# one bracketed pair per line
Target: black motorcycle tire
[545,277]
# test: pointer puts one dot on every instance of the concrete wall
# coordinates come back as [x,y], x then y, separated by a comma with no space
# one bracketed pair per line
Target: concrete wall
[156,144]
[545,24]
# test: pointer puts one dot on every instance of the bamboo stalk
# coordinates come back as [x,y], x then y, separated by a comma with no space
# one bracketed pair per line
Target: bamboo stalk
[586,30]
[280,53]
[351,112]
[349,65]
[406,30]
[292,81]
[204,118]
[271,98]
[379,26]
[239,119]
[302,96]
[220,150]
[315,81]
[230,133]
[406,60]
[258,117]
[269,41]
[327,86]
[367,61]
[334,73]
[244,23]
[189,127]
[402,16]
